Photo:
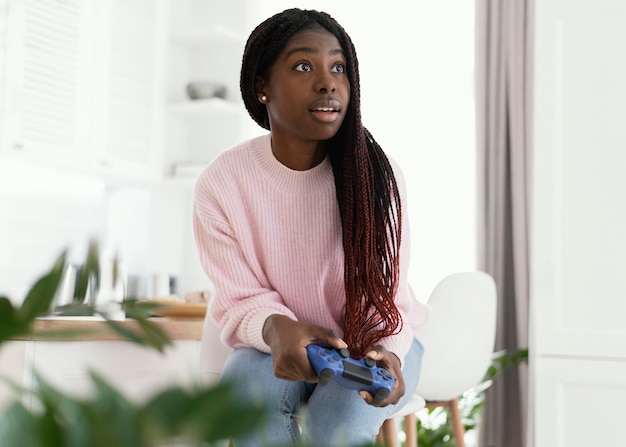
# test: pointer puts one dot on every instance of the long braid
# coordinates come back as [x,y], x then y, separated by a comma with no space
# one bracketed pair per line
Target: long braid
[367,192]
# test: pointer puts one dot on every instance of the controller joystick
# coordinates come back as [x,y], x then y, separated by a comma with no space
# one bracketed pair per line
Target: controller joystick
[362,375]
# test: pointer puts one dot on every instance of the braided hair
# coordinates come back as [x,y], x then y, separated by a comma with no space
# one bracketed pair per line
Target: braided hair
[367,192]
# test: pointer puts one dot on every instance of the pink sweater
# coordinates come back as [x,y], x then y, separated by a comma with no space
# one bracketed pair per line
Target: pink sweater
[270,240]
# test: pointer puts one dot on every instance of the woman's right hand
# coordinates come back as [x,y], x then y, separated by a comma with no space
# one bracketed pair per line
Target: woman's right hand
[288,340]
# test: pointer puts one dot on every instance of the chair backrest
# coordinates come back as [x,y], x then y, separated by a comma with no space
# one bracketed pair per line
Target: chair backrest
[459,336]
[213,352]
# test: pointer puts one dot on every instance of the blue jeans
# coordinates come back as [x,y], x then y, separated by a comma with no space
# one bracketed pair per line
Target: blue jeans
[329,415]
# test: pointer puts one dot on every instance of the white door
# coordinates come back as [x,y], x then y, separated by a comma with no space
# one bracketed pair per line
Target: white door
[578,248]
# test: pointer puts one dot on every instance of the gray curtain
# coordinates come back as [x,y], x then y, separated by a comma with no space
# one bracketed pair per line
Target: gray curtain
[503,95]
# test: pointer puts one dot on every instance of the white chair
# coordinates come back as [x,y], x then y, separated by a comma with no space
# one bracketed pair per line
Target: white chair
[458,344]
[213,353]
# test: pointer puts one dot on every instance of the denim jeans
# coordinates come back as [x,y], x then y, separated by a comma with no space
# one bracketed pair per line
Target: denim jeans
[328,415]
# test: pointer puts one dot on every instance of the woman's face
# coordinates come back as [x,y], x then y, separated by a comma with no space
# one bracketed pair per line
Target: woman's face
[308,91]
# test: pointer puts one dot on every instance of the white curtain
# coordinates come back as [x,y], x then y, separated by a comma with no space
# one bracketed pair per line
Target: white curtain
[503,94]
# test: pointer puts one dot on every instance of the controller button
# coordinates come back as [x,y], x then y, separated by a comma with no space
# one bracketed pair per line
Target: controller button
[381,394]
[325,376]
[344,353]
[370,362]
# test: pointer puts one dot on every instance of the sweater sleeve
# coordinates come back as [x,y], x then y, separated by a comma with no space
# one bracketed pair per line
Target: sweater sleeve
[243,299]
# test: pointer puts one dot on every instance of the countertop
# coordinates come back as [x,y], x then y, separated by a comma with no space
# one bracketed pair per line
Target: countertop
[87,328]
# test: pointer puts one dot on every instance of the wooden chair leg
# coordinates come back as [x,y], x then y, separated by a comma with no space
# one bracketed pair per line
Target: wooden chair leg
[457,424]
[387,435]
[410,429]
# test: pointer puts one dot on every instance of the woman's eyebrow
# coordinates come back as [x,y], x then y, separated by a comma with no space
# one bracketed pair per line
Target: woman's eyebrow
[309,50]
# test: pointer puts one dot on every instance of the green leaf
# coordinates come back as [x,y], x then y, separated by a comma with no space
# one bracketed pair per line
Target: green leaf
[205,415]
[39,298]
[149,334]
[115,415]
[140,309]
[154,335]
[89,271]
[126,333]
[8,326]
[18,427]
[75,310]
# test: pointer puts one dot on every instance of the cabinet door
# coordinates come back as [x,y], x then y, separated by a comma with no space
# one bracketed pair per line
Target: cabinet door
[4,6]
[137,372]
[130,85]
[12,361]
[579,216]
[579,402]
[46,81]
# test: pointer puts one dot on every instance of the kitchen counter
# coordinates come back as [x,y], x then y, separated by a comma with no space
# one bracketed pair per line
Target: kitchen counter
[67,350]
[90,328]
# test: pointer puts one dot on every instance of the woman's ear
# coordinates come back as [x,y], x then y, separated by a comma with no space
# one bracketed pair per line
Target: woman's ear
[260,89]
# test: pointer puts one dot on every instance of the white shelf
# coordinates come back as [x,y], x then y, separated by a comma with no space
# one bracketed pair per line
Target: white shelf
[218,34]
[204,107]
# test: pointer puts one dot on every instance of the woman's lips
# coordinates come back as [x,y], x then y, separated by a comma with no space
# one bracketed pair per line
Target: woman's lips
[326,111]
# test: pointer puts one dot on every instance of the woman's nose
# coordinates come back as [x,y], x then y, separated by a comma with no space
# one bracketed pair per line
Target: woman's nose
[325,83]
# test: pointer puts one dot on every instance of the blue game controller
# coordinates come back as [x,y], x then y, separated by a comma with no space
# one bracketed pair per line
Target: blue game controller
[362,375]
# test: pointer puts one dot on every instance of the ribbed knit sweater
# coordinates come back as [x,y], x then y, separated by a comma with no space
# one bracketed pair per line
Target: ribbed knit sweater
[270,240]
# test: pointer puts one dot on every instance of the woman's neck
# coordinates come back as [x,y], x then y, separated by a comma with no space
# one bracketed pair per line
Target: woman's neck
[300,155]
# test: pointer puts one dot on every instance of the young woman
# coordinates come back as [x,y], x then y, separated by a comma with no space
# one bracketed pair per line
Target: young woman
[304,235]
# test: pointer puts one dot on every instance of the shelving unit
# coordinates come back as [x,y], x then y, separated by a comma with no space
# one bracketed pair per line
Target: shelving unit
[201,36]
[204,45]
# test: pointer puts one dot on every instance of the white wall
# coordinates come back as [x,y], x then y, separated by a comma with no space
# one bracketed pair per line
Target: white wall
[416,63]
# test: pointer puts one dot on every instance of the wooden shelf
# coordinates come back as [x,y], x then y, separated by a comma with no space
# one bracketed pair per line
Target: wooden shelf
[81,329]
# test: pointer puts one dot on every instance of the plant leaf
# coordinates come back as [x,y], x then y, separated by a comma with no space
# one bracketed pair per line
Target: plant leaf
[126,333]
[40,296]
[178,413]
[18,427]
[8,326]
[154,335]
[90,270]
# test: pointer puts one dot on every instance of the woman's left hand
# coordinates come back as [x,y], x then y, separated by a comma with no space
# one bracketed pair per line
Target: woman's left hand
[389,361]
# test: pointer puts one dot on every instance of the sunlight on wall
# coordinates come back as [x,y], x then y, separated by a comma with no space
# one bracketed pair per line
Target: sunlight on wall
[416,64]
[417,98]
[42,213]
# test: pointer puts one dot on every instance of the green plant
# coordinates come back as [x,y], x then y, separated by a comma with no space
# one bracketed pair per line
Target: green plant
[190,417]
[202,416]
[17,322]
[433,426]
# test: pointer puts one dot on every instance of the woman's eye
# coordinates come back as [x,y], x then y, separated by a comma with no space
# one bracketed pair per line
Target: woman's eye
[303,66]
[338,68]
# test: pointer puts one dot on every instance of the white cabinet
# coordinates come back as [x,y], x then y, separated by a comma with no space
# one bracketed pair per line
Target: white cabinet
[46,90]
[579,402]
[129,105]
[206,45]
[137,372]
[578,248]
[84,85]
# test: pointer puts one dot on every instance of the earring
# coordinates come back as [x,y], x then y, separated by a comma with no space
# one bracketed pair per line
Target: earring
[263,99]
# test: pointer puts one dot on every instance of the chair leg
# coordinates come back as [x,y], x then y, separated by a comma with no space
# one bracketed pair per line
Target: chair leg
[410,429]
[387,435]
[457,424]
